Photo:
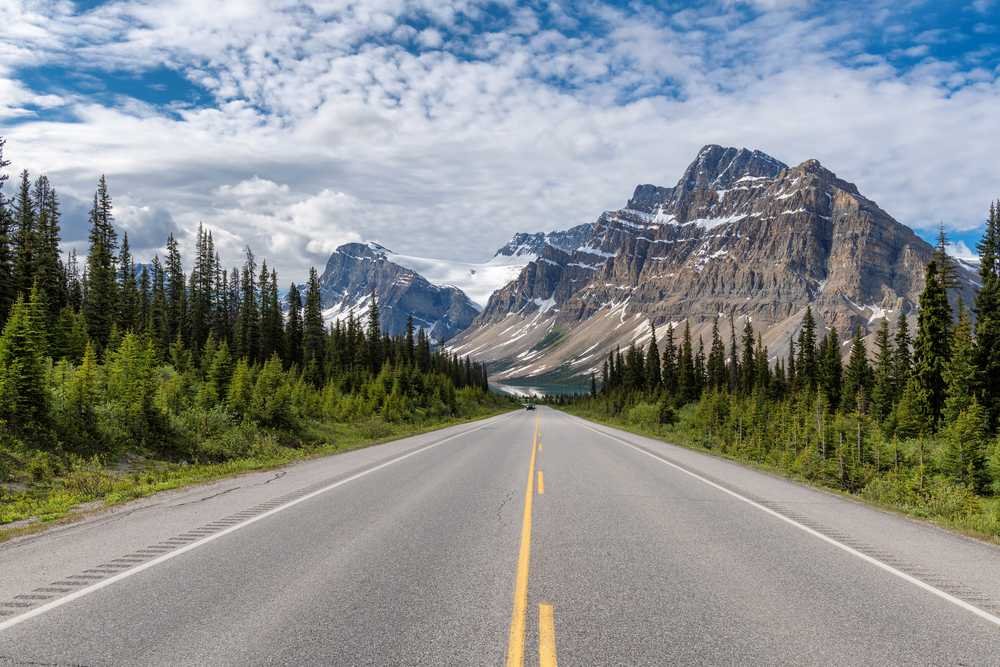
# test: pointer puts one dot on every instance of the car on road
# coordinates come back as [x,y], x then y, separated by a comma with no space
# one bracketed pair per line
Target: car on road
[529,406]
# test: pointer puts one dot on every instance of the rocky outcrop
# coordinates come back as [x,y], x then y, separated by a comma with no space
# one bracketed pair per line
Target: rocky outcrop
[740,235]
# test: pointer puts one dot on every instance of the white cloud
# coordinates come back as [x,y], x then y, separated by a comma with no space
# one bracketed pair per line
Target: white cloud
[342,121]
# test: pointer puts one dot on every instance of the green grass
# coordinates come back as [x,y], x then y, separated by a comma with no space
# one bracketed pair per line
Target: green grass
[947,505]
[89,486]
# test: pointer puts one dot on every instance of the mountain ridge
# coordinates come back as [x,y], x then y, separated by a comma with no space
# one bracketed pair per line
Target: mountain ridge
[741,234]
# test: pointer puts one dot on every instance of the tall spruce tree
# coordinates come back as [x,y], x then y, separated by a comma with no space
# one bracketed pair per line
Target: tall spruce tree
[960,373]
[49,270]
[654,377]
[858,376]
[747,363]
[248,315]
[100,304]
[293,329]
[176,296]
[7,290]
[884,385]
[903,361]
[716,367]
[685,368]
[668,367]
[806,371]
[26,239]
[128,291]
[313,334]
[987,309]
[932,345]
[374,334]
[831,369]
[24,397]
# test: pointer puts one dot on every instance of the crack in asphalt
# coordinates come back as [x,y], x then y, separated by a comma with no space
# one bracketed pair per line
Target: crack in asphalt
[201,500]
[277,475]
[510,495]
[11,661]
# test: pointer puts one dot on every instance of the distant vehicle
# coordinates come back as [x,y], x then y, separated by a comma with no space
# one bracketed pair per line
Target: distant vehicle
[529,406]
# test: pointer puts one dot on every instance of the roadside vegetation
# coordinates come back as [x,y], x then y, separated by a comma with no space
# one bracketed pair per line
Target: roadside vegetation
[117,381]
[913,426]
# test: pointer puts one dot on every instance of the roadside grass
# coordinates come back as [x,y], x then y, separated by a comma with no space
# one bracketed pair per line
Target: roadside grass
[88,485]
[943,504]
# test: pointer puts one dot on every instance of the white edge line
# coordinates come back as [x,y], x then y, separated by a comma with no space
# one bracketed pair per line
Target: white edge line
[54,604]
[992,618]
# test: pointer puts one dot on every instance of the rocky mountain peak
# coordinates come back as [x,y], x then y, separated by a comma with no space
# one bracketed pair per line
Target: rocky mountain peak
[741,235]
[355,270]
[719,167]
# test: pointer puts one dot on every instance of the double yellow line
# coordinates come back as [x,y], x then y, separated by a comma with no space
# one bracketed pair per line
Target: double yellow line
[518,622]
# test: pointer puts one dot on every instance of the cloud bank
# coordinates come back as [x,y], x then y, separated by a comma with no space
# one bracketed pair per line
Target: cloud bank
[441,127]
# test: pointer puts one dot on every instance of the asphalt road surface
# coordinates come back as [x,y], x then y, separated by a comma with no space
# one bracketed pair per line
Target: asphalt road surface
[529,538]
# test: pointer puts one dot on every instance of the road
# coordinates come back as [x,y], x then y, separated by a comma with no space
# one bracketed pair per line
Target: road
[528,538]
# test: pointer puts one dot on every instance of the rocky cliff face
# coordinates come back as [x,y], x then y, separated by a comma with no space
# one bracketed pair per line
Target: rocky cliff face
[355,270]
[740,235]
[532,245]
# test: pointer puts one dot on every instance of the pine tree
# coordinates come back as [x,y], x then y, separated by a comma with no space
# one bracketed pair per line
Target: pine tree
[831,369]
[734,357]
[274,324]
[947,273]
[686,386]
[884,386]
[293,329]
[716,367]
[100,297]
[313,334]
[202,299]
[49,270]
[960,373]
[25,248]
[903,361]
[806,371]
[145,300]
[410,345]
[762,372]
[24,397]
[791,374]
[668,368]
[654,377]
[747,363]
[374,342]
[858,377]
[248,315]
[932,346]
[175,279]
[7,290]
[987,309]
[267,343]
[156,328]
[966,440]
[128,291]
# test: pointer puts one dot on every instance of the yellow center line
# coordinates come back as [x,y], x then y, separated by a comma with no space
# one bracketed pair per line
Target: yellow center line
[546,636]
[518,621]
[541,483]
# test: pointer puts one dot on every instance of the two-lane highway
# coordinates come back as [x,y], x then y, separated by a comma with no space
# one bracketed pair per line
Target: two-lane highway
[529,538]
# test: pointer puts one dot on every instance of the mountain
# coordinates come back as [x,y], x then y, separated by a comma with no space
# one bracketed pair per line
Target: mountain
[355,270]
[740,235]
[480,280]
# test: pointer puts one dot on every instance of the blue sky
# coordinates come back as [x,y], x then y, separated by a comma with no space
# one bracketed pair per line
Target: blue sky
[441,127]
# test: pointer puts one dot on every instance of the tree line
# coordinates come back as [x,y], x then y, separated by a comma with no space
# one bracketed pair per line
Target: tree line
[917,415]
[101,354]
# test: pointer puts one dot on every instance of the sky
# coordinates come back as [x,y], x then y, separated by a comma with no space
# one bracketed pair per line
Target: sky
[442,127]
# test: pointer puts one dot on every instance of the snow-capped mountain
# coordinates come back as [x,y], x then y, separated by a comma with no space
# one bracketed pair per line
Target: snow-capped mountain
[355,270]
[741,234]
